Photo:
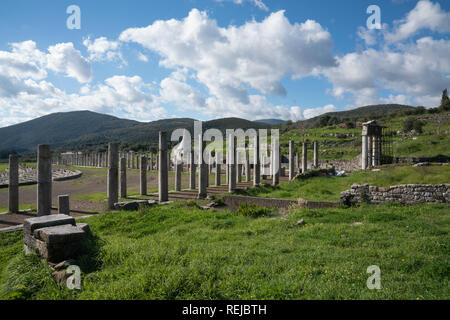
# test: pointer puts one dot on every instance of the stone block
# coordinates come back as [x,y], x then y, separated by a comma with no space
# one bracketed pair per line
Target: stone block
[29,225]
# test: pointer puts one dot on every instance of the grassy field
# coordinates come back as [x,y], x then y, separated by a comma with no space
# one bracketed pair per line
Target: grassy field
[178,251]
[329,188]
[4,166]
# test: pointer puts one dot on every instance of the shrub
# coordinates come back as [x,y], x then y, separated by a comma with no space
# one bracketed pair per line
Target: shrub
[252,210]
[413,124]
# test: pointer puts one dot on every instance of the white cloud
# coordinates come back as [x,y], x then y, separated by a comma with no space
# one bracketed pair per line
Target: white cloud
[142,57]
[230,61]
[426,15]
[258,3]
[314,112]
[64,58]
[102,49]
[415,70]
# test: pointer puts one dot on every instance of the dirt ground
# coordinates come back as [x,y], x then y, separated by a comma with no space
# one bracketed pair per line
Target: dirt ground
[93,182]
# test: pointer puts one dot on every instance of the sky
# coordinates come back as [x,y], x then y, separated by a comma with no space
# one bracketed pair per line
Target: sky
[207,59]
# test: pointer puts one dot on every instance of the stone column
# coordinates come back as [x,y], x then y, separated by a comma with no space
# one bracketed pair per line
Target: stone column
[275,162]
[151,161]
[232,165]
[133,160]
[247,165]
[304,157]
[291,159]
[113,174]
[163,174]
[143,180]
[316,154]
[44,180]
[218,170]
[257,162]
[374,150]
[239,166]
[64,204]
[178,171]
[123,177]
[192,170]
[227,168]
[203,170]
[364,152]
[13,187]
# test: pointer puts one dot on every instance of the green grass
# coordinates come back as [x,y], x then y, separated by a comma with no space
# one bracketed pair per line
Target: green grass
[180,252]
[4,166]
[21,207]
[329,188]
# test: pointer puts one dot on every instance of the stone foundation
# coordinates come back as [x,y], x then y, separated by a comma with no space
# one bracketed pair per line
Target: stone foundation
[56,237]
[406,194]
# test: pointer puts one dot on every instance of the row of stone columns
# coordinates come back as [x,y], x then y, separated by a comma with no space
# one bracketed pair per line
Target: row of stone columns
[44,184]
[304,159]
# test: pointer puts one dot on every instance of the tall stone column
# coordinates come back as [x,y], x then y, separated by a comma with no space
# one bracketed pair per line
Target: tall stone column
[227,168]
[275,162]
[203,170]
[133,160]
[304,157]
[163,174]
[364,152]
[13,187]
[218,170]
[374,151]
[256,162]
[178,171]
[123,177]
[44,180]
[247,166]
[291,159]
[239,166]
[316,154]
[151,161]
[192,170]
[143,180]
[113,174]
[232,158]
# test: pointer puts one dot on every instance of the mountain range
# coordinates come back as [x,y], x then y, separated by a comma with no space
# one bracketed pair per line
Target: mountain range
[84,130]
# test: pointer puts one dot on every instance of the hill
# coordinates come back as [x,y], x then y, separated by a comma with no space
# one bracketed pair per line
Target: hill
[271,121]
[84,130]
[57,128]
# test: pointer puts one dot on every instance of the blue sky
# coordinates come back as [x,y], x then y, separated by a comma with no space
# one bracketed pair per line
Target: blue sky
[147,60]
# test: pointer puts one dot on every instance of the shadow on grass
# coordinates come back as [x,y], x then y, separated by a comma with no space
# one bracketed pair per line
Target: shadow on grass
[90,260]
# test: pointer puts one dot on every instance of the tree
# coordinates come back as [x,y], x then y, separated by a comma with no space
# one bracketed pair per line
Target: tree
[445,101]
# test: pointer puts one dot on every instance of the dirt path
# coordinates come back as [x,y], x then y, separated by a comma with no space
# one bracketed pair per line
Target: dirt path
[88,193]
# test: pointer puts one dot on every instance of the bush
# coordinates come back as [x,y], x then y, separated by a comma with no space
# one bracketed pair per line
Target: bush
[252,210]
[413,124]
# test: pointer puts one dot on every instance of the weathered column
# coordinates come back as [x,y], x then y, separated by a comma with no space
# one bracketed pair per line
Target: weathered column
[113,174]
[143,179]
[304,157]
[151,161]
[232,158]
[13,187]
[376,151]
[291,159]
[239,166]
[203,170]
[256,161]
[44,180]
[218,170]
[364,152]
[64,204]
[123,177]
[275,162]
[163,174]
[227,168]
[316,154]
[192,170]
[133,160]
[247,166]
[178,171]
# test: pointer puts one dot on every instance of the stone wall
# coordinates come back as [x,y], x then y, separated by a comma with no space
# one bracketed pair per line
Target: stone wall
[347,165]
[407,194]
